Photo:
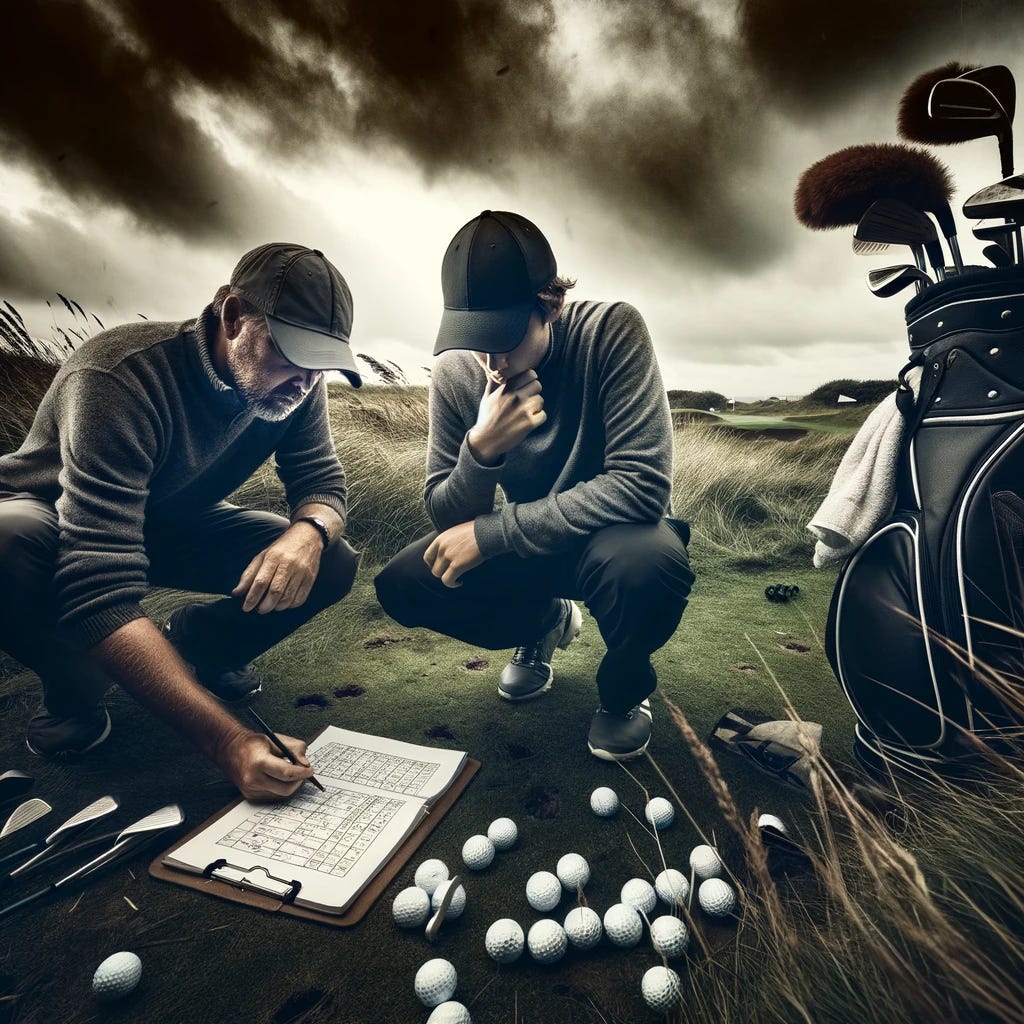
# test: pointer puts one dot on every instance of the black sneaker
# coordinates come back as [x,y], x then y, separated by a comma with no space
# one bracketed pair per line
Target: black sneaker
[620,737]
[227,684]
[53,737]
[529,673]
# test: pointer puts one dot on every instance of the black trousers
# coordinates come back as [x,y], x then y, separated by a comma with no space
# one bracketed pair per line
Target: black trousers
[206,552]
[634,578]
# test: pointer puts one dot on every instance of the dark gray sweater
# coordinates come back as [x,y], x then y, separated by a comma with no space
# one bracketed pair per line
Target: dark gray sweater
[603,456]
[136,427]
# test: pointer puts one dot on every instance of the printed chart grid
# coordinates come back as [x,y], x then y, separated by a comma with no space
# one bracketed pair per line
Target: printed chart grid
[374,769]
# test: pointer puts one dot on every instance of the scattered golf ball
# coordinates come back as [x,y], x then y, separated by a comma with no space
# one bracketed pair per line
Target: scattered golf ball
[435,982]
[661,988]
[478,852]
[673,887]
[503,833]
[717,898]
[639,894]
[604,802]
[572,871]
[669,936]
[543,891]
[660,812]
[411,907]
[457,905]
[769,820]
[547,941]
[504,941]
[583,927]
[705,862]
[622,925]
[449,1013]
[430,874]
[117,976]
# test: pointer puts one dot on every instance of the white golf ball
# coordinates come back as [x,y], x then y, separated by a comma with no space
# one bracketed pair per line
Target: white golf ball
[604,802]
[457,905]
[771,821]
[411,907]
[659,812]
[478,852]
[661,988]
[572,871]
[503,833]
[640,894]
[547,941]
[622,925]
[435,982]
[673,887]
[543,891]
[504,941]
[117,976]
[430,874]
[705,862]
[717,898]
[449,1013]
[669,936]
[583,927]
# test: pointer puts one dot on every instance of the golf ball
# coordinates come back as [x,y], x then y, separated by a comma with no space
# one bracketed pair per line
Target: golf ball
[457,905]
[503,833]
[546,941]
[504,941]
[583,927]
[572,871]
[659,812]
[430,874]
[622,925]
[543,891]
[449,1013]
[411,907]
[478,852]
[669,936]
[770,821]
[661,988]
[639,894]
[717,898]
[604,802]
[117,976]
[673,887]
[705,862]
[435,982]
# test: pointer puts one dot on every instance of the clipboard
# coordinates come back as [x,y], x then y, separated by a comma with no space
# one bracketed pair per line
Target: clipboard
[274,894]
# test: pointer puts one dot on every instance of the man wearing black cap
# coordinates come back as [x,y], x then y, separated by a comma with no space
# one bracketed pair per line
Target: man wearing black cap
[562,406]
[121,483]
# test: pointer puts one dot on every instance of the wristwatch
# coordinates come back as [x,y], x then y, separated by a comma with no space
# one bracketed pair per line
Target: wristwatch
[319,525]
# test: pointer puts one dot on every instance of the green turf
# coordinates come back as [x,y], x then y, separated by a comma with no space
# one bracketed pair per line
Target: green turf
[209,960]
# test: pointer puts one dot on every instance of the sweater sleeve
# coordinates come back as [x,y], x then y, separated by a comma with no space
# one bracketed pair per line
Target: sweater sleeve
[307,462]
[636,482]
[108,445]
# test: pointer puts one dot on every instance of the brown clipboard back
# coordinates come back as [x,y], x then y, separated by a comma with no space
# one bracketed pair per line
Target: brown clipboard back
[356,910]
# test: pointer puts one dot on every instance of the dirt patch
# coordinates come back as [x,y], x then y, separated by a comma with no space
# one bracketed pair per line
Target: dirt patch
[544,802]
[439,732]
[373,643]
[476,664]
[517,751]
[312,702]
[349,691]
[794,645]
[744,667]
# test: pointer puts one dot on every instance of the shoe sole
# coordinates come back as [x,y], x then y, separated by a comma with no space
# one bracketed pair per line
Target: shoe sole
[607,755]
[67,754]
[232,700]
[532,695]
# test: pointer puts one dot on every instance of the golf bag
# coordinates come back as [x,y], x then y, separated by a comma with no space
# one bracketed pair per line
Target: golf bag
[931,604]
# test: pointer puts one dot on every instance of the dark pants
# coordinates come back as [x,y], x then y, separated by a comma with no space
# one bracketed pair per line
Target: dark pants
[634,578]
[206,552]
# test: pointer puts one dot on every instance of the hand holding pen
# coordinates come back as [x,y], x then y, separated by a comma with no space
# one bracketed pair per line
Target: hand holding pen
[275,739]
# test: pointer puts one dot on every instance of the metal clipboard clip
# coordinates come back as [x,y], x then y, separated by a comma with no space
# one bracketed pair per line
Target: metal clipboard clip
[220,870]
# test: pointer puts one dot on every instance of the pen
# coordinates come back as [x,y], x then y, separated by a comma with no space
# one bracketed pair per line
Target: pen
[272,736]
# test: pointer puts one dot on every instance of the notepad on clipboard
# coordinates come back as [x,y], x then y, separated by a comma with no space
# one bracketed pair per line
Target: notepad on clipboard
[316,850]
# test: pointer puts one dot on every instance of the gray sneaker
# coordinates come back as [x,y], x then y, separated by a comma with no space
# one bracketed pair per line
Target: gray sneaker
[620,737]
[529,673]
[53,737]
[227,684]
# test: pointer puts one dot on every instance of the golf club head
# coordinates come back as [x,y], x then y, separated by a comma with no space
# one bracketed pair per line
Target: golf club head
[912,119]
[894,222]
[886,281]
[24,814]
[974,109]
[1001,199]
[998,79]
[997,255]
[78,823]
[992,231]
[14,784]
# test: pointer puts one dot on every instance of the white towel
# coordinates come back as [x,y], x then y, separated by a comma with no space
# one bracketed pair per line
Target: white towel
[863,491]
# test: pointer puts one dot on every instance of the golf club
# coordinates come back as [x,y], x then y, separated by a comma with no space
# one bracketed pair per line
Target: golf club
[974,104]
[997,255]
[894,222]
[24,814]
[887,281]
[998,79]
[862,248]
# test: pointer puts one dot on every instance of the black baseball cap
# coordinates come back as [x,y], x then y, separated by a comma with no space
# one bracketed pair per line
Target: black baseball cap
[306,303]
[490,276]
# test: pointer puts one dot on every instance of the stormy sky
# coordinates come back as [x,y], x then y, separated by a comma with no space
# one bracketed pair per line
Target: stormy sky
[657,143]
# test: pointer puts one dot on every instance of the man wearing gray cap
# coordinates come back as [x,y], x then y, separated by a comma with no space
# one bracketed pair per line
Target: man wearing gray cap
[121,483]
[562,406]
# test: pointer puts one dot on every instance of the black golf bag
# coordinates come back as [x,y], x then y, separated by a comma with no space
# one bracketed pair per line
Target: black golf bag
[931,604]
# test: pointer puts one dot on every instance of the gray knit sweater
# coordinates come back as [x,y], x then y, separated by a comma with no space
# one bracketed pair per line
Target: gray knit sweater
[603,456]
[136,427]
